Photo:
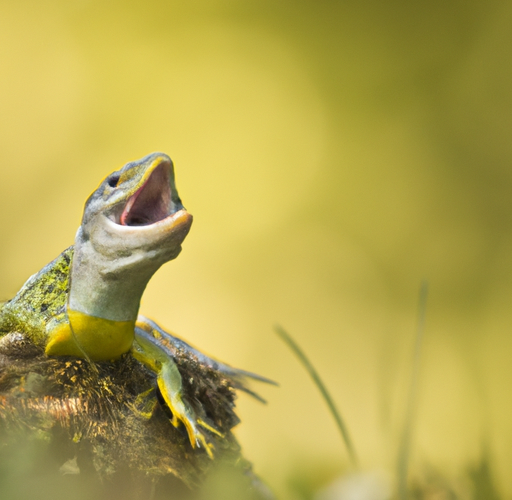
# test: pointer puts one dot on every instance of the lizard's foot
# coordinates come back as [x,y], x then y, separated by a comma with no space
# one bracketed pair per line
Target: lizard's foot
[145,404]
[169,383]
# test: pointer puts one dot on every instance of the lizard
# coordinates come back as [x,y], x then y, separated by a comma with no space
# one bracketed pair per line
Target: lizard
[85,303]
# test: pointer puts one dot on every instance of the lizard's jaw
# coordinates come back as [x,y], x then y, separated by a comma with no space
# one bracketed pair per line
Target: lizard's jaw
[151,218]
[153,213]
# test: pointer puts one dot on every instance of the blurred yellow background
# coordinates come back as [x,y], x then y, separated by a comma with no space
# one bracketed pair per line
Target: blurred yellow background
[333,155]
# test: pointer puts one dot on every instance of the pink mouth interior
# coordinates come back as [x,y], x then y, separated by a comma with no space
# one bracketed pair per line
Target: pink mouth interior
[151,202]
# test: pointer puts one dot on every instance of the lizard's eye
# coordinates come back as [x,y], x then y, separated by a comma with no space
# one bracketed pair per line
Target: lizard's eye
[113,180]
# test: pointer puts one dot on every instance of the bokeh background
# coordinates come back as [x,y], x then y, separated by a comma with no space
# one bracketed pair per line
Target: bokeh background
[333,154]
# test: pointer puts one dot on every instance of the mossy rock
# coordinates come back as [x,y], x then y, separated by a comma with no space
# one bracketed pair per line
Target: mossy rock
[74,429]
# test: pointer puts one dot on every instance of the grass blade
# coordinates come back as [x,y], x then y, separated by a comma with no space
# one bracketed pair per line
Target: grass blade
[405,443]
[323,390]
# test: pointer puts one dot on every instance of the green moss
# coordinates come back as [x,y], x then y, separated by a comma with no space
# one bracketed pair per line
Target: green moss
[41,298]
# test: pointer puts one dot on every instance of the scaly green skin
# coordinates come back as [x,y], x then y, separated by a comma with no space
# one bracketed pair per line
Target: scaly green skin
[42,298]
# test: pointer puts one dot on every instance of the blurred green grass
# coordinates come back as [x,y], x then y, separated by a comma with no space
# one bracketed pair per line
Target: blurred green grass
[319,483]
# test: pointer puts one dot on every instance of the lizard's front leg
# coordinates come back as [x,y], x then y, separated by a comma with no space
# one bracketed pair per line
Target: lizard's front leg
[150,349]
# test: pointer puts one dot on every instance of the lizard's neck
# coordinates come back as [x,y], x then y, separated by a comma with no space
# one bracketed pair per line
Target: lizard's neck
[107,287]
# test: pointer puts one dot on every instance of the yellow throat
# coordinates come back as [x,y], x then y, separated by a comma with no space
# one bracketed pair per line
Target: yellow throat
[97,338]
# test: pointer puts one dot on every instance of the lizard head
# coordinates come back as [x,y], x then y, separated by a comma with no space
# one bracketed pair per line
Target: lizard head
[137,209]
[132,224]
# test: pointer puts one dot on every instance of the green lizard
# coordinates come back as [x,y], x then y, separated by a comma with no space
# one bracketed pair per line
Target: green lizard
[86,302]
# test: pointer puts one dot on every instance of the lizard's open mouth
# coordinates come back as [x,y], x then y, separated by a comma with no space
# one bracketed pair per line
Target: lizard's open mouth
[152,202]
